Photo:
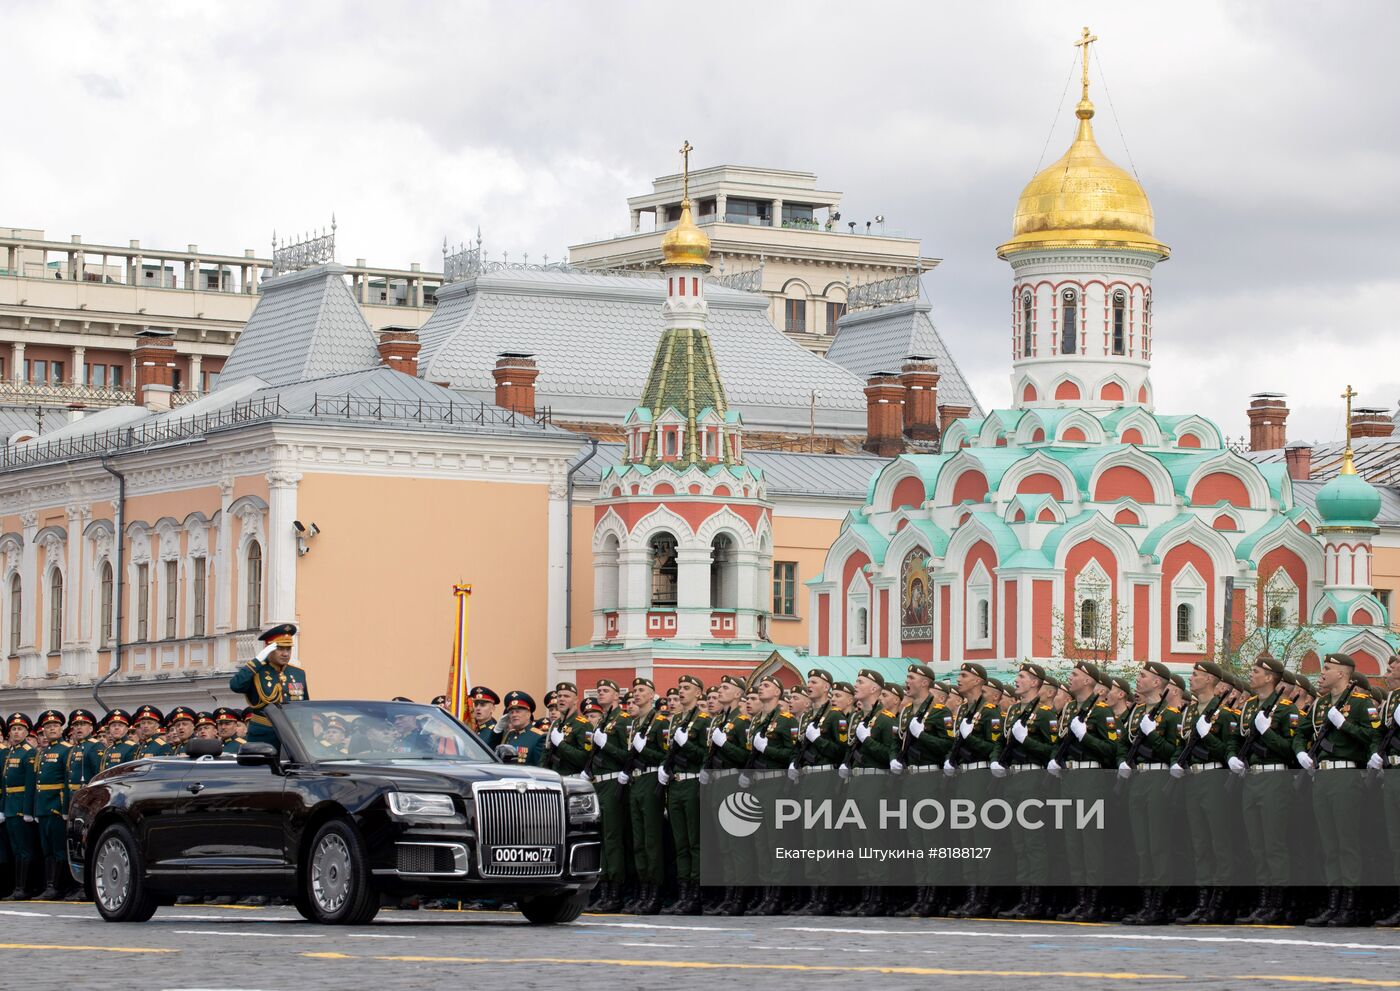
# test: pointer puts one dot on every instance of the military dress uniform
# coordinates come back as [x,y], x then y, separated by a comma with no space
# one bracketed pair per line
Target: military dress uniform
[773,743]
[1266,792]
[1152,732]
[821,734]
[153,746]
[729,754]
[647,739]
[178,714]
[263,683]
[1206,755]
[871,744]
[120,751]
[526,744]
[17,786]
[571,743]
[50,792]
[680,773]
[607,760]
[1387,759]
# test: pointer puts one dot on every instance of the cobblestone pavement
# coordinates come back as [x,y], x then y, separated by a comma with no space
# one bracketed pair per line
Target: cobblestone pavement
[57,945]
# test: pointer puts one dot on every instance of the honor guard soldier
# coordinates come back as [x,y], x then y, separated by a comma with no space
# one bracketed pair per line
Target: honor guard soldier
[1152,731]
[924,730]
[551,713]
[870,747]
[679,775]
[647,739]
[1344,721]
[50,791]
[821,731]
[520,743]
[270,679]
[149,741]
[773,737]
[226,723]
[179,728]
[605,765]
[570,738]
[204,727]
[728,750]
[119,746]
[1385,761]
[979,730]
[17,787]
[484,702]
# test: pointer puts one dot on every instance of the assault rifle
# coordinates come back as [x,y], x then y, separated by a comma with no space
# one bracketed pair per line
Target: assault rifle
[955,756]
[587,771]
[1012,744]
[1195,745]
[1253,739]
[712,751]
[803,744]
[908,735]
[1322,743]
[1067,737]
[673,751]
[1140,749]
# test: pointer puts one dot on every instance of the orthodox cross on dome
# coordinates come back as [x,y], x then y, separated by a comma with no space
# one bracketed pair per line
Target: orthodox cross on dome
[1085,40]
[1348,468]
[686,149]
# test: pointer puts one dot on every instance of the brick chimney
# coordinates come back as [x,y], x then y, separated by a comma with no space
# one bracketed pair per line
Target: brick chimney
[884,414]
[155,365]
[1268,414]
[1371,421]
[1298,457]
[398,349]
[948,413]
[515,375]
[919,376]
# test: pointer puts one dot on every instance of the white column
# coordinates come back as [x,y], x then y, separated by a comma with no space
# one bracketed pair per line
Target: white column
[746,595]
[222,577]
[29,660]
[79,357]
[75,654]
[634,592]
[721,205]
[557,580]
[777,213]
[693,593]
[17,361]
[281,545]
[196,367]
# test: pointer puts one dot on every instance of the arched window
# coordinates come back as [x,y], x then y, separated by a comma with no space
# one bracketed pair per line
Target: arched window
[1120,322]
[984,620]
[1147,326]
[723,587]
[253,573]
[1027,326]
[1277,617]
[1069,313]
[664,570]
[55,611]
[1089,619]
[14,614]
[104,613]
[1185,624]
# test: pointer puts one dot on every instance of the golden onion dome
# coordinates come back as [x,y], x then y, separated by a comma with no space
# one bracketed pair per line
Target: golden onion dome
[1083,200]
[685,244]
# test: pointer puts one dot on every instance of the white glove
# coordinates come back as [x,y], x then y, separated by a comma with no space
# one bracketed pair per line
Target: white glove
[916,727]
[1125,770]
[844,772]
[1177,771]
[680,736]
[1335,717]
[1396,716]
[1053,767]
[265,653]
[501,724]
[2,817]
[1019,731]
[862,732]
[639,743]
[760,743]
[662,776]
[997,770]
[965,728]
[1262,721]
[718,738]
[1078,727]
[949,769]
[1202,726]
[792,772]
[622,778]
[1374,763]
[28,818]
[812,732]
[1237,765]
[895,766]
[1304,761]
[1148,724]
[704,776]
[600,739]
[556,736]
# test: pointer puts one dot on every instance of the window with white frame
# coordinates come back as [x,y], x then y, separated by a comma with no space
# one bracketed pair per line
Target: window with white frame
[172,597]
[55,611]
[104,612]
[979,607]
[1280,600]
[198,594]
[143,601]
[1093,596]
[15,610]
[253,577]
[1188,612]
[858,616]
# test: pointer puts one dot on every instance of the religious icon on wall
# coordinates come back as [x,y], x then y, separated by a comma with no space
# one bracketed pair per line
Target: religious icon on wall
[915,597]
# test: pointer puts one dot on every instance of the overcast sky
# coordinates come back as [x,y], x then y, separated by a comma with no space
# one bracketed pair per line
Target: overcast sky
[1264,133]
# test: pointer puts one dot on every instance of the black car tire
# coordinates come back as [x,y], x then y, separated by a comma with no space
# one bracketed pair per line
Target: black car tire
[336,881]
[117,871]
[302,901]
[552,910]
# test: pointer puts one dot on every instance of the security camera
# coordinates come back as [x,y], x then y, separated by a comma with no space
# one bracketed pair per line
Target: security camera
[315,529]
[297,525]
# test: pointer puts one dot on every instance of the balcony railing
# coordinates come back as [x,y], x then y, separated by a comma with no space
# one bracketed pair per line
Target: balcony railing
[68,394]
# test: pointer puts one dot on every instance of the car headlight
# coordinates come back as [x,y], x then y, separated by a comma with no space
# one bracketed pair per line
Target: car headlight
[583,807]
[421,805]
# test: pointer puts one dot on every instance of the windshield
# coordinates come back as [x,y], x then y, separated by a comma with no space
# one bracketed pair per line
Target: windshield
[381,731]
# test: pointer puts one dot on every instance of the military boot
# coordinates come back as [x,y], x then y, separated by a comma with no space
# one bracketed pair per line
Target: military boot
[1347,915]
[50,892]
[21,892]
[1034,908]
[1071,914]
[1270,908]
[608,902]
[1017,911]
[1334,904]
[1198,914]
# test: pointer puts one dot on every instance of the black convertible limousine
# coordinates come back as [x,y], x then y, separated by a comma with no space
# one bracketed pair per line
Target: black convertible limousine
[414,803]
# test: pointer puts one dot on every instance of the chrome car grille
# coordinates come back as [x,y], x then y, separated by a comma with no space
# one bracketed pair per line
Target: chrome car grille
[529,819]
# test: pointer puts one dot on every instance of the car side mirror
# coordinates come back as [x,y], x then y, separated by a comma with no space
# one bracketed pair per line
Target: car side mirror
[255,754]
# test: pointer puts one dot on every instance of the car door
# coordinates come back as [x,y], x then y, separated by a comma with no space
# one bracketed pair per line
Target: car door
[231,817]
[155,792]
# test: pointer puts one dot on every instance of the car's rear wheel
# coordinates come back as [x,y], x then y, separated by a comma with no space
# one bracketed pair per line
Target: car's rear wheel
[337,884]
[551,910]
[118,886]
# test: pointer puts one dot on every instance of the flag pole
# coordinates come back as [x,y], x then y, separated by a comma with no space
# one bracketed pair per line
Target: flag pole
[460,672]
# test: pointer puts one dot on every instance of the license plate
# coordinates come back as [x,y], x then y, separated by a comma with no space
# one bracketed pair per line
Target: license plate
[501,856]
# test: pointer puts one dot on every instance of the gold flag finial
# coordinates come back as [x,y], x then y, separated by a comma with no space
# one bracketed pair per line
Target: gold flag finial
[686,149]
[1348,467]
[1085,109]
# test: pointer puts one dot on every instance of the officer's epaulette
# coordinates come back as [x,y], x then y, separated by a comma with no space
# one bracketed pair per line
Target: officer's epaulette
[1100,704]
[741,717]
[239,740]
[1362,695]
[1044,708]
[158,739]
[580,718]
[1172,708]
[888,713]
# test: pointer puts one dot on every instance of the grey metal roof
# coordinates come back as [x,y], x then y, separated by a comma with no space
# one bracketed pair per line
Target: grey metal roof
[1305,494]
[594,337]
[1377,459]
[879,339]
[306,325]
[787,473]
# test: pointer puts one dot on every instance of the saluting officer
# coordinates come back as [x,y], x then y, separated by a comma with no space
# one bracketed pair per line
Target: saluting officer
[17,786]
[679,775]
[149,741]
[270,679]
[50,788]
[524,743]
[1209,728]
[606,762]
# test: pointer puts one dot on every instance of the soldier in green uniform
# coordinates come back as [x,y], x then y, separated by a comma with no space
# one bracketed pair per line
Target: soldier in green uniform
[821,745]
[773,738]
[679,775]
[606,761]
[729,753]
[269,679]
[50,791]
[1268,723]
[870,747]
[521,744]
[1385,760]
[84,754]
[1022,751]
[1210,735]
[149,741]
[1344,722]
[979,730]
[1152,730]
[570,739]
[647,738]
[179,728]
[226,724]
[17,787]
[484,702]
[120,745]
[335,737]
[924,734]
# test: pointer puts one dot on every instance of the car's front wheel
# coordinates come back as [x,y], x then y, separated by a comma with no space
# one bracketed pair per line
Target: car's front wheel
[118,887]
[336,881]
[551,910]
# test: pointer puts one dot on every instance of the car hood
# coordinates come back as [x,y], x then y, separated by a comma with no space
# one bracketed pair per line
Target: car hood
[445,775]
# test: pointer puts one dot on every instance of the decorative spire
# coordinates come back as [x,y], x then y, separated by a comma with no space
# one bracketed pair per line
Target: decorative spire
[685,244]
[1085,110]
[1348,467]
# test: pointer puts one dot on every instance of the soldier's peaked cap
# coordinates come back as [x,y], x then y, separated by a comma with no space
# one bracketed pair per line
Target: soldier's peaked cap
[483,694]
[148,712]
[18,719]
[519,700]
[281,634]
[49,716]
[81,716]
